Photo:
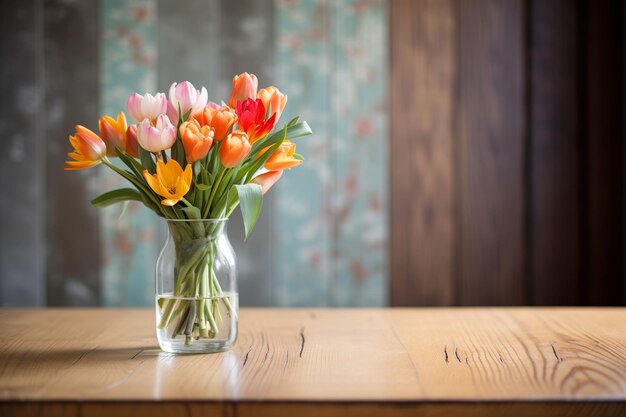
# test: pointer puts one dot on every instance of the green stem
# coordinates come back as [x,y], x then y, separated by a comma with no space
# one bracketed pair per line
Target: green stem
[216,185]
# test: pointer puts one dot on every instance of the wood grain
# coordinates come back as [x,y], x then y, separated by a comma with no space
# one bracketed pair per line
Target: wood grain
[492,139]
[484,361]
[556,261]
[310,409]
[423,71]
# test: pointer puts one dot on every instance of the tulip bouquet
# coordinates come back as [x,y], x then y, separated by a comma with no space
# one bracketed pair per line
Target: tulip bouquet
[191,159]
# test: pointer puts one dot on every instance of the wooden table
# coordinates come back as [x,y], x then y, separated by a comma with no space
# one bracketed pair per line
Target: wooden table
[318,362]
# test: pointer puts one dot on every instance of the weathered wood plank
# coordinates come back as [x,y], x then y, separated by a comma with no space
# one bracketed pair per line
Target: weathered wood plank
[22,245]
[491,153]
[423,82]
[70,54]
[555,170]
[246,44]
[374,356]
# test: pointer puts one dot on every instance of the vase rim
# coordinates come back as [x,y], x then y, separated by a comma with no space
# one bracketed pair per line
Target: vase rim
[217,220]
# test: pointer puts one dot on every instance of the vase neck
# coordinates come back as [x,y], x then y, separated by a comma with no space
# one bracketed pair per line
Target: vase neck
[181,230]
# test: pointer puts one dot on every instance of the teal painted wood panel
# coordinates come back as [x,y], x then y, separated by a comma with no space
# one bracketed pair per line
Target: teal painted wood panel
[329,228]
[131,241]
[332,223]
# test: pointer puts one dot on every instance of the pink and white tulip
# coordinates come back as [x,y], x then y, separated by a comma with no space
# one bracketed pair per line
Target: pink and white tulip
[146,106]
[187,97]
[156,138]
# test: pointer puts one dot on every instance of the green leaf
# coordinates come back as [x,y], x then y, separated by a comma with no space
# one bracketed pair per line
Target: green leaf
[146,160]
[298,156]
[116,196]
[295,131]
[192,213]
[202,187]
[131,163]
[293,121]
[298,130]
[251,203]
[197,168]
[178,153]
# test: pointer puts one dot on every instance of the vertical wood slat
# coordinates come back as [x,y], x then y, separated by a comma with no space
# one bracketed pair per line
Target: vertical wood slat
[247,44]
[358,47]
[492,135]
[22,278]
[241,35]
[130,243]
[423,73]
[71,96]
[303,258]
[605,151]
[539,191]
[556,269]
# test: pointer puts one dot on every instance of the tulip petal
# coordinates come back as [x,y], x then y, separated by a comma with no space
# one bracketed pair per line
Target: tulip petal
[170,201]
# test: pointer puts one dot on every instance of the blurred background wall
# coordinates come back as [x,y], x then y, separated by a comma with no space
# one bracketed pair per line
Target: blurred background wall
[322,237]
[464,152]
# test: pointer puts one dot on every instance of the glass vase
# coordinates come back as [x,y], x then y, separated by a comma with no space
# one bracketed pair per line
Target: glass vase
[196,288]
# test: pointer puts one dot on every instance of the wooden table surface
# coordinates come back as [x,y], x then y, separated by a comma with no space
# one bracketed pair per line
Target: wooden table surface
[519,361]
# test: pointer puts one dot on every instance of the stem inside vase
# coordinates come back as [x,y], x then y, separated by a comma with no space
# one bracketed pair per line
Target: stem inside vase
[196,308]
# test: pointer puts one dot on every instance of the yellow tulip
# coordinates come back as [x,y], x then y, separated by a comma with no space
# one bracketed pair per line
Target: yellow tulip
[283,157]
[170,181]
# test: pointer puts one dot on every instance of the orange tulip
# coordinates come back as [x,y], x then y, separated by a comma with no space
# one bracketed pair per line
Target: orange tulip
[221,120]
[170,181]
[283,157]
[89,149]
[197,140]
[244,86]
[132,144]
[113,133]
[273,100]
[234,149]
[268,179]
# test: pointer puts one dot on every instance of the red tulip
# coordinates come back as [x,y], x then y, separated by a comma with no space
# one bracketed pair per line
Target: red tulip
[251,116]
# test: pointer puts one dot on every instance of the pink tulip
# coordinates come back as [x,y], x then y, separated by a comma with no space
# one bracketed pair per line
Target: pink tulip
[187,97]
[156,138]
[146,106]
